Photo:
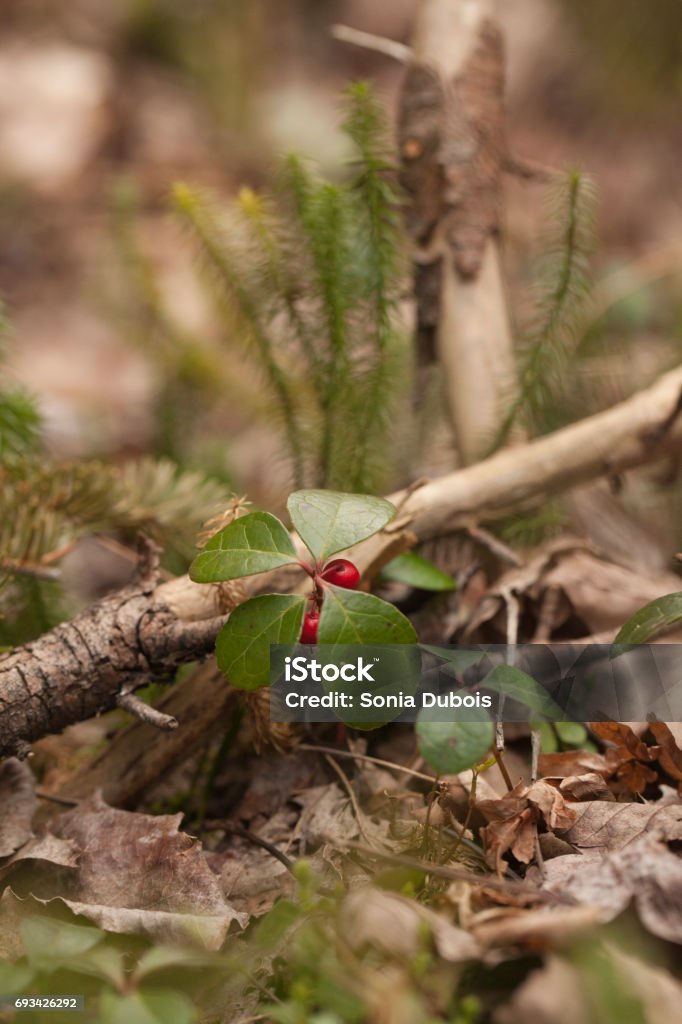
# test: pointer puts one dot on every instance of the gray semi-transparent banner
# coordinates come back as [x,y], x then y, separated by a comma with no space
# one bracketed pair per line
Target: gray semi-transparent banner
[363,684]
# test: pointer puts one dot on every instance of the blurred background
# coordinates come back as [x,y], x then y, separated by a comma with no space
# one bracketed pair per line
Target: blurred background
[103,106]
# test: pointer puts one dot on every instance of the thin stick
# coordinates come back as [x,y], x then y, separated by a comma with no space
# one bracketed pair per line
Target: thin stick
[36,572]
[534,759]
[493,544]
[443,871]
[214,824]
[369,41]
[467,817]
[504,771]
[345,782]
[63,801]
[534,755]
[146,713]
[366,757]
[547,615]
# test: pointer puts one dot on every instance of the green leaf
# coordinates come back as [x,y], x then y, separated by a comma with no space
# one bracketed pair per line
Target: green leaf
[415,571]
[14,978]
[572,734]
[353,617]
[243,644]
[452,747]
[48,938]
[519,686]
[255,543]
[462,660]
[329,521]
[163,958]
[146,1007]
[277,922]
[656,615]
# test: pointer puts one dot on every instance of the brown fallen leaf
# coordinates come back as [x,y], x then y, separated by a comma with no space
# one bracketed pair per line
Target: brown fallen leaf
[44,850]
[605,826]
[513,820]
[590,786]
[19,802]
[629,759]
[395,925]
[592,592]
[135,873]
[538,929]
[571,762]
[645,872]
[670,756]
[553,994]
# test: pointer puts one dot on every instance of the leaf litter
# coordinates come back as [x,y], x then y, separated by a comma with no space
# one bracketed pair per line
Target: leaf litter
[382,858]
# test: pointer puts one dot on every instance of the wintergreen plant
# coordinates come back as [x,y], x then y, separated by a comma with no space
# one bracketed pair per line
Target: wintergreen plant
[327,522]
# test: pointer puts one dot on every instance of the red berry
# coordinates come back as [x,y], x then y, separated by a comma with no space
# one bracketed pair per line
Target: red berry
[341,573]
[309,631]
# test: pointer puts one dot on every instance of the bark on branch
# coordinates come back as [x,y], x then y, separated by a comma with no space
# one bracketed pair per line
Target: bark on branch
[81,668]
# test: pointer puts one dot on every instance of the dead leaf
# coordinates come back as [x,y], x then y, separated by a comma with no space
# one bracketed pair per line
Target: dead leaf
[597,593]
[136,873]
[590,786]
[47,849]
[18,802]
[513,820]
[645,872]
[395,925]
[670,756]
[611,826]
[537,929]
[251,879]
[571,762]
[553,994]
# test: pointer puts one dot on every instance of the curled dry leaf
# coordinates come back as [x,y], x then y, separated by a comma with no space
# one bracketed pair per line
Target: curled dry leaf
[18,802]
[513,820]
[590,786]
[670,756]
[45,851]
[629,759]
[136,873]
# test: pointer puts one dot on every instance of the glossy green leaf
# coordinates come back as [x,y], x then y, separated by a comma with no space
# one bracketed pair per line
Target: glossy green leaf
[255,543]
[415,571]
[451,747]
[353,617]
[329,521]
[243,644]
[519,686]
[649,620]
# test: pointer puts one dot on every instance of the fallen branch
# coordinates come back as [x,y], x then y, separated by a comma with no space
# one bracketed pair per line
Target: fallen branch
[453,149]
[80,668]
